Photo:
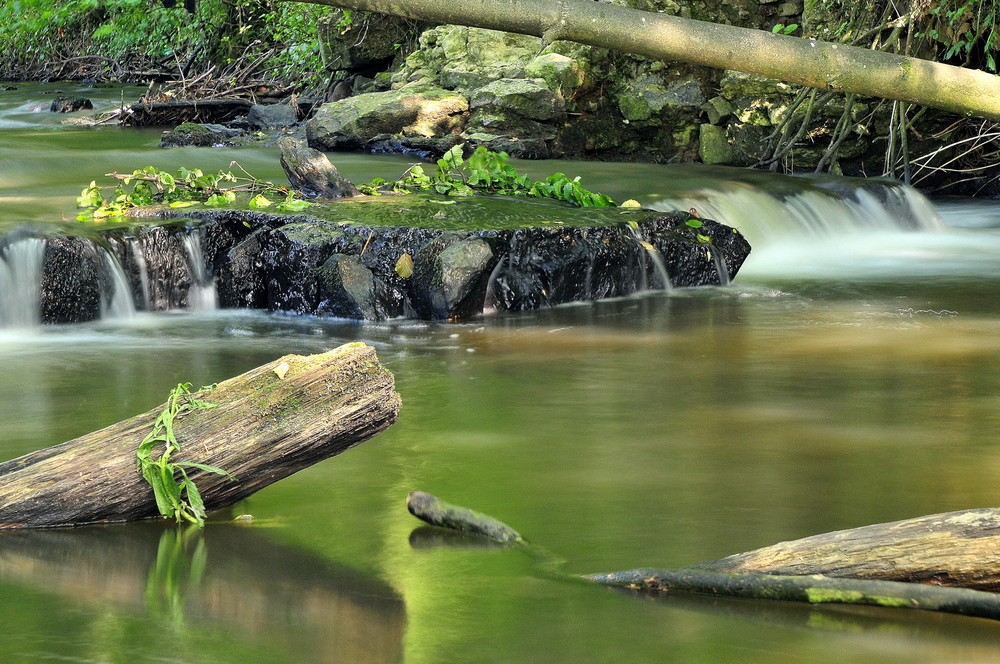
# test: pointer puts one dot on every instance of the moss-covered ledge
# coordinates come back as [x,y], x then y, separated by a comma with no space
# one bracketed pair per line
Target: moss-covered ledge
[447,259]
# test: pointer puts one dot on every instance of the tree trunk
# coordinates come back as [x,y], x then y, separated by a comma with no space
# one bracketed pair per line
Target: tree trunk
[805,61]
[268,423]
[897,565]
[953,549]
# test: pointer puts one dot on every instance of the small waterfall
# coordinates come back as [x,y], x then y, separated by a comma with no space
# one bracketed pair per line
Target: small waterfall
[20,283]
[202,294]
[720,267]
[116,295]
[653,254]
[135,250]
[766,207]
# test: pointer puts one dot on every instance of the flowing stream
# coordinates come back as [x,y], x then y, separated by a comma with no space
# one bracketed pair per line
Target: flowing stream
[847,376]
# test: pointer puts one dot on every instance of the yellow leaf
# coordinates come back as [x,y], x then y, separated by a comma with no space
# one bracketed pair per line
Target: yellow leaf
[647,246]
[404,266]
[631,203]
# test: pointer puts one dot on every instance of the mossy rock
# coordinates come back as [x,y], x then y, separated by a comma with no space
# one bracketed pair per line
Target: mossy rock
[415,110]
[525,98]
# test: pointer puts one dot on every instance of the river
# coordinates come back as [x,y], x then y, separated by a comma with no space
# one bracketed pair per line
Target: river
[848,376]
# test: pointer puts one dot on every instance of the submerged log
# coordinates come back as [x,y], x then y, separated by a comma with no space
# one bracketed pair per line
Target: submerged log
[942,562]
[953,549]
[267,424]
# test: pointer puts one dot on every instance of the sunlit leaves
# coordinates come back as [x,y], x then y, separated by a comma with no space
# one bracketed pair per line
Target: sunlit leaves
[404,266]
[183,188]
[487,172]
[174,490]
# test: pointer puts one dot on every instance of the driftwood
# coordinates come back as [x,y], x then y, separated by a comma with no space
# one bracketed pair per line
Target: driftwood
[179,112]
[310,172]
[943,562]
[959,549]
[268,423]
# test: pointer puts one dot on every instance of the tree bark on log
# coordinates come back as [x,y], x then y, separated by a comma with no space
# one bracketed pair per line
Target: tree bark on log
[903,564]
[177,112]
[953,549]
[267,424]
[809,62]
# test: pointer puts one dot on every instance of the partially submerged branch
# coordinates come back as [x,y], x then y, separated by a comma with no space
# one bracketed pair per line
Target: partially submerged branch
[906,564]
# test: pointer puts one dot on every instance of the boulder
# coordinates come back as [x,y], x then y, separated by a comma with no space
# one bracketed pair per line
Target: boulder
[450,276]
[272,116]
[198,135]
[413,110]
[67,105]
[347,289]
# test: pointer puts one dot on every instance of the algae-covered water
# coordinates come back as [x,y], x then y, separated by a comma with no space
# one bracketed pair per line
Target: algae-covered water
[845,378]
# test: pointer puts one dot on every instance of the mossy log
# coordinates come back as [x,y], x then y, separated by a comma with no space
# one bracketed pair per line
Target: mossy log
[942,562]
[960,549]
[267,424]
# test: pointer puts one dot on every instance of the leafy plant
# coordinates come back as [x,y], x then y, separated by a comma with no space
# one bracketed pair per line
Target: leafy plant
[185,187]
[487,172]
[175,498]
[780,29]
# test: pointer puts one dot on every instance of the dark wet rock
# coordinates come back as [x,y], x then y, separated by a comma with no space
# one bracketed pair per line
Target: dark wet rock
[347,289]
[162,263]
[241,279]
[272,116]
[70,289]
[360,261]
[450,276]
[199,135]
[310,172]
[67,105]
[315,266]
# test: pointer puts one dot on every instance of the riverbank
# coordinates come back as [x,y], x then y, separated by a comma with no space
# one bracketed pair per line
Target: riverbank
[383,84]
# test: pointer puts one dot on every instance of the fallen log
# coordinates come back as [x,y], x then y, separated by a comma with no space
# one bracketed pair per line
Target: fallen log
[266,424]
[960,549]
[179,112]
[943,562]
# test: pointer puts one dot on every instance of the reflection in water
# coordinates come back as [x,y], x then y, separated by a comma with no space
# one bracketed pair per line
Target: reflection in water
[189,583]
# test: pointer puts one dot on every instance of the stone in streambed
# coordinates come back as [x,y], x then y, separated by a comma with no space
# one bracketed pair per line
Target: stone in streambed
[347,289]
[450,276]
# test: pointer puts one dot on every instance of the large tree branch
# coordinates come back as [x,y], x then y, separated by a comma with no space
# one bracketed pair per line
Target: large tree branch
[808,62]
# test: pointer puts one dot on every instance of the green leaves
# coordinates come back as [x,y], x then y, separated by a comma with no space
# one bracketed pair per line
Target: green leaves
[184,188]
[175,498]
[487,172]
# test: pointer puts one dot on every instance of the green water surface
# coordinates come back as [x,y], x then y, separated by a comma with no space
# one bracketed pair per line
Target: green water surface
[657,430]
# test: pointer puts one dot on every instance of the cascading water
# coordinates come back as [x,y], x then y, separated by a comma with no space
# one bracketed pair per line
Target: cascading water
[776,207]
[20,283]
[651,253]
[800,226]
[202,294]
[116,297]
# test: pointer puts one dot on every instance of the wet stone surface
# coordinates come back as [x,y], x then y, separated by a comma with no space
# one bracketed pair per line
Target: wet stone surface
[406,256]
